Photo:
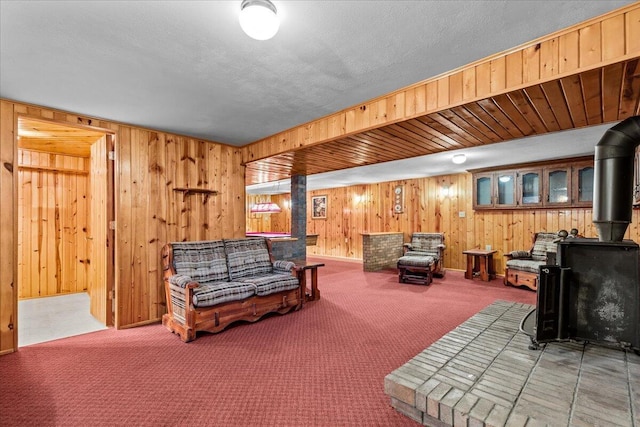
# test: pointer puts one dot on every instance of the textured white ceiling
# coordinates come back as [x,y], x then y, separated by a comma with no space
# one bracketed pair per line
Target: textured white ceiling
[187,67]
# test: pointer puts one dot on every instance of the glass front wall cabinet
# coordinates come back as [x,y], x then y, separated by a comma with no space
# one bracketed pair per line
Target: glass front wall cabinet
[583,185]
[557,186]
[483,191]
[566,183]
[530,188]
[505,183]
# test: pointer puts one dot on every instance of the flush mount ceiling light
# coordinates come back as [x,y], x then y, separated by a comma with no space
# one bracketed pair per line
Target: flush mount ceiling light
[459,159]
[259,19]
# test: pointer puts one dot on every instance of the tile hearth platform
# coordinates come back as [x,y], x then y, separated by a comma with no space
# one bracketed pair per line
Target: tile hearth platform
[483,374]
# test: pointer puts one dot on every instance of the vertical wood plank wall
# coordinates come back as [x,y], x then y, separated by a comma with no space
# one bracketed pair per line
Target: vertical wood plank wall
[148,212]
[53,216]
[368,208]
[8,232]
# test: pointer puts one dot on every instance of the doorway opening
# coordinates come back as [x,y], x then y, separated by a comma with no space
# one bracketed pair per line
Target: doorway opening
[65,205]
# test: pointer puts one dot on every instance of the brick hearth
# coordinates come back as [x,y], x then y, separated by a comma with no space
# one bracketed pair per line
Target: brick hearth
[483,374]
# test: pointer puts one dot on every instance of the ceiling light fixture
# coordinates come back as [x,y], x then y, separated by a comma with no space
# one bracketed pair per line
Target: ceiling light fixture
[259,19]
[459,159]
[266,208]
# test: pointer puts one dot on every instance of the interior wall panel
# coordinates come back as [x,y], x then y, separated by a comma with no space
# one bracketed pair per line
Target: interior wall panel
[53,216]
[8,231]
[149,167]
[364,208]
[152,209]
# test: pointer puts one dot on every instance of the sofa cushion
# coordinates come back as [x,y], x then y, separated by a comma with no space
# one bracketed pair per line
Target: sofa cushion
[247,257]
[220,292]
[270,283]
[203,261]
[530,265]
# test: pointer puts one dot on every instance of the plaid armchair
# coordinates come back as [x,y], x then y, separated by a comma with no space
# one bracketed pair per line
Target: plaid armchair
[422,258]
[522,267]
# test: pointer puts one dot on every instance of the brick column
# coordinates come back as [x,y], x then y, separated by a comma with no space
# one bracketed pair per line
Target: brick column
[299,215]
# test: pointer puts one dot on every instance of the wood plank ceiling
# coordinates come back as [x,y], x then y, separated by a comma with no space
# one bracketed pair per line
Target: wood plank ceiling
[603,95]
[49,137]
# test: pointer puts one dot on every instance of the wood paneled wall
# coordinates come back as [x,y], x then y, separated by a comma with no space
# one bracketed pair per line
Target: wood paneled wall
[53,223]
[603,40]
[368,208]
[8,231]
[148,212]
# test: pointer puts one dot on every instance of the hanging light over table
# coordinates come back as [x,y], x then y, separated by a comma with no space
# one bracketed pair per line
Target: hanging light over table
[267,208]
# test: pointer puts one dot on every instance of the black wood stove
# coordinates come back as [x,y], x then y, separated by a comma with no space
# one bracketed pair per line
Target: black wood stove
[592,293]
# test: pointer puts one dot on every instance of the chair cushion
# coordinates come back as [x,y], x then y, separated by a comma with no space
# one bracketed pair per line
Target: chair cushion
[426,241]
[220,292]
[544,243]
[432,253]
[247,257]
[529,265]
[270,283]
[204,261]
[416,261]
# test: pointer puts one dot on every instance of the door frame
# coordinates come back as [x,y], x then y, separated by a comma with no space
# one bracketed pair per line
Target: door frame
[111,142]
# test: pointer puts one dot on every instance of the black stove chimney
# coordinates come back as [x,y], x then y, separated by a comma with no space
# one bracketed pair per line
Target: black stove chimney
[613,179]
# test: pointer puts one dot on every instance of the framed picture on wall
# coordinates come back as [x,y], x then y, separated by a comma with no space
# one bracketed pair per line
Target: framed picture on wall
[319,207]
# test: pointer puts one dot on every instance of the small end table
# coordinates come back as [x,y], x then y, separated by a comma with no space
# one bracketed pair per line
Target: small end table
[480,263]
[302,265]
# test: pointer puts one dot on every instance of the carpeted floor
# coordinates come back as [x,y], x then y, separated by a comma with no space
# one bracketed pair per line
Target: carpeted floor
[321,366]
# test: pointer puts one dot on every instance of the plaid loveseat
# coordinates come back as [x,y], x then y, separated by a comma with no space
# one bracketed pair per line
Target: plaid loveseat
[210,284]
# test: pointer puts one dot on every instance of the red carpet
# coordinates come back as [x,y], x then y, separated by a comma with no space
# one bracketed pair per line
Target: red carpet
[321,366]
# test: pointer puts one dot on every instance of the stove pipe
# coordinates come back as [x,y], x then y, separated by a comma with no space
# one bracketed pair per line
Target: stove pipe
[613,179]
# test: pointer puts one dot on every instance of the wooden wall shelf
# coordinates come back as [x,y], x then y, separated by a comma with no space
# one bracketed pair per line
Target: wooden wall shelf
[188,191]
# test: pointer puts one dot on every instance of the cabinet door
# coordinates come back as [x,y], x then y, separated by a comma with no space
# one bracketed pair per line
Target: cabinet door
[505,187]
[530,187]
[483,190]
[557,186]
[583,185]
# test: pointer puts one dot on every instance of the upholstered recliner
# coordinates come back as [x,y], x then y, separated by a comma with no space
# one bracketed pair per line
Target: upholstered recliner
[522,267]
[422,258]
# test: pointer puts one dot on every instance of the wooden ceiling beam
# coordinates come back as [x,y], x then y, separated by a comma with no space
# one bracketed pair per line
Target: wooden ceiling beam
[581,76]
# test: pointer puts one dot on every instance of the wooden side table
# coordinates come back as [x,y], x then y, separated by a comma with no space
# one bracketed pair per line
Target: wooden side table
[479,263]
[301,268]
